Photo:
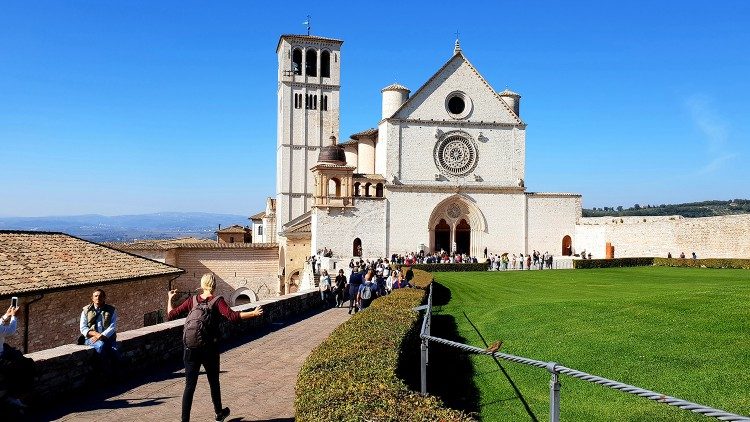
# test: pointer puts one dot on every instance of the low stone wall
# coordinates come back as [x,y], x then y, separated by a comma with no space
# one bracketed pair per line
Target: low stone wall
[63,370]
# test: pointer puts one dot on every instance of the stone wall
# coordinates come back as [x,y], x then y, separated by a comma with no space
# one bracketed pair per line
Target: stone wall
[550,218]
[54,317]
[62,371]
[338,228]
[708,237]
[255,269]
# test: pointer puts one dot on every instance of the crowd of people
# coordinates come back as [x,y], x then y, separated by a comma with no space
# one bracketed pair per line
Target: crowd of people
[535,260]
[368,280]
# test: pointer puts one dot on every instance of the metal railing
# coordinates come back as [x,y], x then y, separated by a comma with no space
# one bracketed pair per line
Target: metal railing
[555,370]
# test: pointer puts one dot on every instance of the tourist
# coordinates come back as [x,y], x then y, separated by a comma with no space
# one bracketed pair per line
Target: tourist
[367,292]
[325,288]
[355,280]
[98,324]
[16,370]
[528,262]
[682,255]
[513,261]
[521,260]
[201,340]
[338,287]
[669,255]
[695,256]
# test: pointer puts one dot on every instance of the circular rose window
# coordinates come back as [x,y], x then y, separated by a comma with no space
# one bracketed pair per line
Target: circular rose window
[456,155]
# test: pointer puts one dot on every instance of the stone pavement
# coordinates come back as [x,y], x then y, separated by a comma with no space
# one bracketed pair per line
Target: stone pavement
[257,381]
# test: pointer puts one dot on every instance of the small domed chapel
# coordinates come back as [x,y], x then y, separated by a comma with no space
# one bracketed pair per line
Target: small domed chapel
[442,168]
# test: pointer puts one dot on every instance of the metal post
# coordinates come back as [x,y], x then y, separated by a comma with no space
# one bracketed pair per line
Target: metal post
[424,366]
[554,393]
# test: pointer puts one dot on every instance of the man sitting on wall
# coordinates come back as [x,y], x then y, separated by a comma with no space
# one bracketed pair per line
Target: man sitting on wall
[99,324]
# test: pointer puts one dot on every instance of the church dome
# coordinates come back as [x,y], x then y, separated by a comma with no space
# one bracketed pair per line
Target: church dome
[332,154]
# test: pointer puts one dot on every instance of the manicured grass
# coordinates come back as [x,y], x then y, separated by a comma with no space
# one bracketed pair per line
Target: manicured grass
[679,331]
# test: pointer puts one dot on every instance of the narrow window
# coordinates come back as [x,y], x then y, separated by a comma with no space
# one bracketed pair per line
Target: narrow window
[260,230]
[325,64]
[311,63]
[315,102]
[296,101]
[297,61]
[325,103]
[307,101]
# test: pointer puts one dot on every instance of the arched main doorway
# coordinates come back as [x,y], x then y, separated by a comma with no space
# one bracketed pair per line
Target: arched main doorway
[442,237]
[457,225]
[567,246]
[463,237]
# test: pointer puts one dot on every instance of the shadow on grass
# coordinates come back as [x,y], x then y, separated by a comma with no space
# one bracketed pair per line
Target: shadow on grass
[450,374]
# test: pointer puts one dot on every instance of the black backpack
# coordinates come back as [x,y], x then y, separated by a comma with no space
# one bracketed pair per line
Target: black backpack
[200,327]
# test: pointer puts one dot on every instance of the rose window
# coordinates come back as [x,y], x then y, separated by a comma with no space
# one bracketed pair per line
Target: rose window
[456,156]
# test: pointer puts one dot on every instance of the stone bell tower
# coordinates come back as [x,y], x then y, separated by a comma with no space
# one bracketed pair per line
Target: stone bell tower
[308,114]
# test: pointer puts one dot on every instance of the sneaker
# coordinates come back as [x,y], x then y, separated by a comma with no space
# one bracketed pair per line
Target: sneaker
[222,415]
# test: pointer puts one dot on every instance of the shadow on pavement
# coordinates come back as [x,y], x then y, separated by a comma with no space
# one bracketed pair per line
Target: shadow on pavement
[98,396]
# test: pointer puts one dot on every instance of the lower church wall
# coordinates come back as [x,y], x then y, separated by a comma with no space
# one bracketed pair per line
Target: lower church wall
[550,219]
[337,229]
[708,237]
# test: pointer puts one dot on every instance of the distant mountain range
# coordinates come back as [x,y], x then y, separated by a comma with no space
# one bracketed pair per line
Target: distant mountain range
[692,209]
[125,228]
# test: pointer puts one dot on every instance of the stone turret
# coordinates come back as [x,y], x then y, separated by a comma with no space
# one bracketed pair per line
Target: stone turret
[513,100]
[394,96]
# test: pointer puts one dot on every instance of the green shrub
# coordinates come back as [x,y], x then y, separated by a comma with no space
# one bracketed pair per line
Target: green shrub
[352,375]
[611,263]
[434,268]
[703,263]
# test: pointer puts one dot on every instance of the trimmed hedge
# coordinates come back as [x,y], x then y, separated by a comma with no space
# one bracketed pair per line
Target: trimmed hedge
[663,262]
[743,264]
[435,268]
[352,375]
[612,263]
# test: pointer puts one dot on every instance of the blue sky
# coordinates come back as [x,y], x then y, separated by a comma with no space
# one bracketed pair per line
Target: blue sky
[145,106]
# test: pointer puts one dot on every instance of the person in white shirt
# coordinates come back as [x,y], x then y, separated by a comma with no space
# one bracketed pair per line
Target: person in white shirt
[7,330]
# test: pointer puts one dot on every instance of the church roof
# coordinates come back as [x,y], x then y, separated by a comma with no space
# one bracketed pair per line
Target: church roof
[458,56]
[258,216]
[303,37]
[365,134]
[301,225]
[395,87]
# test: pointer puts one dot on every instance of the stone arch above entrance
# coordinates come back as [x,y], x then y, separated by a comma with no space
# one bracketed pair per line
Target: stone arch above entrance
[464,221]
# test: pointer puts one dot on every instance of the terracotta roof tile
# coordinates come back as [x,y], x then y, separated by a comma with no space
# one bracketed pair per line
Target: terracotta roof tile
[233,229]
[39,261]
[258,216]
[365,133]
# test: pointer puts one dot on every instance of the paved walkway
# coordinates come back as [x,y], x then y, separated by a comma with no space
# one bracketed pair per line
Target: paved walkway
[257,381]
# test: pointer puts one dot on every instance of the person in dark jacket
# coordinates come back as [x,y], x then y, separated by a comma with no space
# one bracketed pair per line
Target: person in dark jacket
[207,355]
[355,280]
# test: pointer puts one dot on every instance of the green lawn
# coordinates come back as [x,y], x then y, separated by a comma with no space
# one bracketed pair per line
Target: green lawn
[679,331]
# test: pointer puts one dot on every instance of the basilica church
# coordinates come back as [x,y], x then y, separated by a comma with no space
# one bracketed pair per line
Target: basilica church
[442,168]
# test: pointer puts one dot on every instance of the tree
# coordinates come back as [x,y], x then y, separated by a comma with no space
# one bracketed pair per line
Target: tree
[619,208]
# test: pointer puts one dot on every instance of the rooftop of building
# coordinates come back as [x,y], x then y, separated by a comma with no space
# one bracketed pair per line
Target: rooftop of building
[33,262]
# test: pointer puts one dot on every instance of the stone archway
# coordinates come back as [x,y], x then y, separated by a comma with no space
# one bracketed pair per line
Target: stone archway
[466,224]
[294,282]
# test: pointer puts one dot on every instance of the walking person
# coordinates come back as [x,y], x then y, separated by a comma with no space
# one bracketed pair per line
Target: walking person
[201,340]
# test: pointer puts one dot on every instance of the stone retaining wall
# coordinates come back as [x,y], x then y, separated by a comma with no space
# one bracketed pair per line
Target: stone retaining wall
[63,370]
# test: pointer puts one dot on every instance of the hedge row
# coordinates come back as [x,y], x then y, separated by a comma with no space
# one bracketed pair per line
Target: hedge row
[433,268]
[611,263]
[703,263]
[352,375]
[663,262]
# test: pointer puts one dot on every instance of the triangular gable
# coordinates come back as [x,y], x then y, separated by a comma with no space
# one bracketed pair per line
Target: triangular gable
[457,74]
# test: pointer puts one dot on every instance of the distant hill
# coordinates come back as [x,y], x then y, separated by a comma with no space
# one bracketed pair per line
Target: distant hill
[692,209]
[124,228]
